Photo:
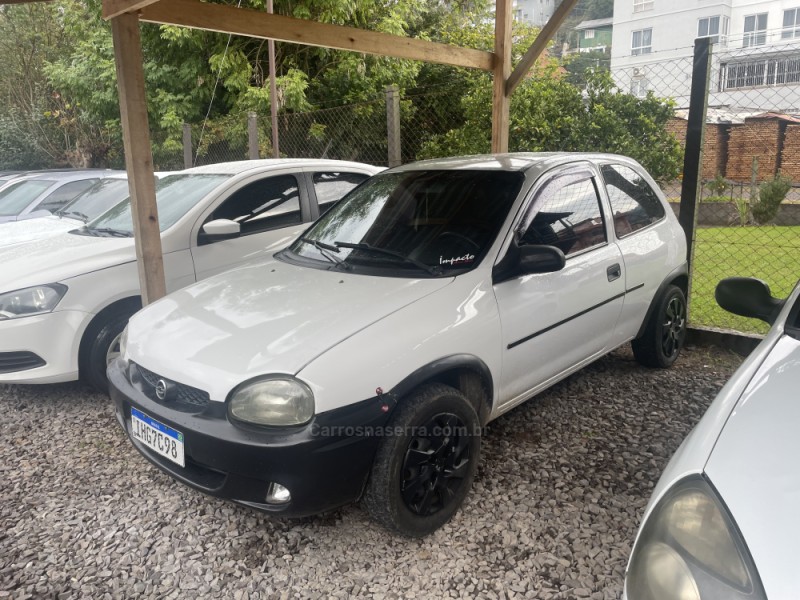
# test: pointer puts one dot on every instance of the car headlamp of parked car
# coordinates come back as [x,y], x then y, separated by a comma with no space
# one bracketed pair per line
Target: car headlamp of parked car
[690,549]
[31,301]
[278,400]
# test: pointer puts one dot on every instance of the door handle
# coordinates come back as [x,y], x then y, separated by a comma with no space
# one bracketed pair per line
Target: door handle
[614,272]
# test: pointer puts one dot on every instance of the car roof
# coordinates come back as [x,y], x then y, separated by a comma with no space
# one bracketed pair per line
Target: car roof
[242,166]
[512,161]
[58,175]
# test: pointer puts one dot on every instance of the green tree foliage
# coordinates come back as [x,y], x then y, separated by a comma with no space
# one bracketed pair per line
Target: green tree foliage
[770,195]
[550,114]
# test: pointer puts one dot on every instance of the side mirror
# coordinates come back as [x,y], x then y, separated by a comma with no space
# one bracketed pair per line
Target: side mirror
[222,229]
[540,259]
[748,297]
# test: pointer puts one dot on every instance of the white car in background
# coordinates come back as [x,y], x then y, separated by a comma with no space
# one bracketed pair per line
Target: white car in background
[65,300]
[723,519]
[89,205]
[41,193]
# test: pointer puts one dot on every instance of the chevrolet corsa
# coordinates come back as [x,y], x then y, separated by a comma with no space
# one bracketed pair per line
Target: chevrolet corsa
[362,361]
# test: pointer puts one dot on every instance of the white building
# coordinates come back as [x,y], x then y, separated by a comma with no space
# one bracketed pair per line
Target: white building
[756,54]
[534,12]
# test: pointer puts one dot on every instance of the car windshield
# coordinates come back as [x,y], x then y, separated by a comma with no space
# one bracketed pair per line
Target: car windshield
[18,195]
[434,222]
[96,200]
[175,196]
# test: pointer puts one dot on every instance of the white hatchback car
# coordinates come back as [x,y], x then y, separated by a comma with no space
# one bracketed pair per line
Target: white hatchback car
[364,358]
[722,521]
[65,300]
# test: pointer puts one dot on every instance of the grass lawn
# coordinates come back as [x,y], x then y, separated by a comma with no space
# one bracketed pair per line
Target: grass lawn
[768,252]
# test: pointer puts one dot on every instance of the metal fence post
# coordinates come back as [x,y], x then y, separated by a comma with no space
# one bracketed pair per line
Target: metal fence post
[187,146]
[393,125]
[693,157]
[252,135]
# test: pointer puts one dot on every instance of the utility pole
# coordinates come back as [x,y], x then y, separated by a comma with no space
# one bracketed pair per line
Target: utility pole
[273,93]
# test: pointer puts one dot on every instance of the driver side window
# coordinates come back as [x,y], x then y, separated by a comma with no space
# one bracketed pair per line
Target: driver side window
[266,204]
[568,216]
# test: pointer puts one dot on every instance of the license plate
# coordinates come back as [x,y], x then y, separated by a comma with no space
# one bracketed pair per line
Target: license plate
[158,437]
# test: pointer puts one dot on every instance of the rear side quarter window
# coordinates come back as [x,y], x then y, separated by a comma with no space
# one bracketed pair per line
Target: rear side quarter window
[333,186]
[634,204]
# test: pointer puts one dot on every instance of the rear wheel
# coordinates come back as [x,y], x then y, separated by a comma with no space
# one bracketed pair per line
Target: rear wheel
[424,470]
[665,333]
[101,347]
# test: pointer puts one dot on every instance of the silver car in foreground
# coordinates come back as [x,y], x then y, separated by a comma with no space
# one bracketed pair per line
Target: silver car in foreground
[723,519]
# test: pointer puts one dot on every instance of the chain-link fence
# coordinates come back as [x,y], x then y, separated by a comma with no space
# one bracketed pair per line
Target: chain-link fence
[748,217]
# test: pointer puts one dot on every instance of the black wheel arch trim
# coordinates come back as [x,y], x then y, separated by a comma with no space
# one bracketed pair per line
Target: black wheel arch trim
[682,271]
[442,365]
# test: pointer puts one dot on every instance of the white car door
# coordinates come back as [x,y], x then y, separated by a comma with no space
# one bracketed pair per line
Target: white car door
[553,322]
[645,238]
[271,211]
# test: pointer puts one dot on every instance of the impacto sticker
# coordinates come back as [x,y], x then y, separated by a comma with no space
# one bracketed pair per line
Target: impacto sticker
[467,258]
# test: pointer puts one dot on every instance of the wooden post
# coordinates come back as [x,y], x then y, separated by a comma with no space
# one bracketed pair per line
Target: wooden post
[138,155]
[252,136]
[187,146]
[393,125]
[273,93]
[502,69]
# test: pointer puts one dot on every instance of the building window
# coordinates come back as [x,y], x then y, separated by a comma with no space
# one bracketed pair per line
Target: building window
[588,34]
[757,73]
[791,24]
[642,5]
[755,30]
[642,42]
[715,28]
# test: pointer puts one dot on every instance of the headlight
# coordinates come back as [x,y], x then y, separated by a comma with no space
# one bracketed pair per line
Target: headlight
[31,301]
[123,344]
[691,549]
[273,400]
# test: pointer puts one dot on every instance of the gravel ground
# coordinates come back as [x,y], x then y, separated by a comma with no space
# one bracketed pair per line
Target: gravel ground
[561,487]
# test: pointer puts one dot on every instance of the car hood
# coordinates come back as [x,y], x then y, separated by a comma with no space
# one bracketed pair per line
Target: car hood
[60,257]
[262,318]
[34,229]
[754,467]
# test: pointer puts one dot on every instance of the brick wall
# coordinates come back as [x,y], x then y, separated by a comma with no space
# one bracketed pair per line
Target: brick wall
[790,159]
[714,147]
[759,138]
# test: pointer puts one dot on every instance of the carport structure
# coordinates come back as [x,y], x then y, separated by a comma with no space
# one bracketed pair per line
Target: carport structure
[125,16]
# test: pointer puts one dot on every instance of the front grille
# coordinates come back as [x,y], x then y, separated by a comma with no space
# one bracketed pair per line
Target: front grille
[11,362]
[179,396]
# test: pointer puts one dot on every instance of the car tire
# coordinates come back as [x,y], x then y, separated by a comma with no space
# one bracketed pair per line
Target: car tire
[425,464]
[99,348]
[660,344]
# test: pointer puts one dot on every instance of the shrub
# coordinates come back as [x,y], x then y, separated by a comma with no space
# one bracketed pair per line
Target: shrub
[770,195]
[717,186]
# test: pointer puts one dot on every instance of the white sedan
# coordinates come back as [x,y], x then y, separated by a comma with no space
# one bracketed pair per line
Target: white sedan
[65,300]
[722,521]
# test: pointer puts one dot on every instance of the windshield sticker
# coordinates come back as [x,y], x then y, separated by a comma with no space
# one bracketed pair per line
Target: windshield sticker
[458,260]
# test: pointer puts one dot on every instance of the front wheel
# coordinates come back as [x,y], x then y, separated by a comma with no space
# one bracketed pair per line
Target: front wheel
[665,332]
[424,469]
[101,348]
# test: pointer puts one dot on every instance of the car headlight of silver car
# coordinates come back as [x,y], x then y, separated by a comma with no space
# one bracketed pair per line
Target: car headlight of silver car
[31,301]
[279,400]
[691,549]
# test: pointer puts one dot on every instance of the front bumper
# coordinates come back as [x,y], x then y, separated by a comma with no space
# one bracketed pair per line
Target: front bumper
[54,337]
[323,464]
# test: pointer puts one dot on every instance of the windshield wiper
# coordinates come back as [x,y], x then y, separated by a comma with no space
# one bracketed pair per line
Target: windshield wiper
[324,250]
[76,213]
[407,259]
[108,231]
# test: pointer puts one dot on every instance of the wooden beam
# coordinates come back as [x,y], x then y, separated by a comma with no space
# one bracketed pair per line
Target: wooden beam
[138,155]
[539,44]
[112,8]
[502,69]
[253,23]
